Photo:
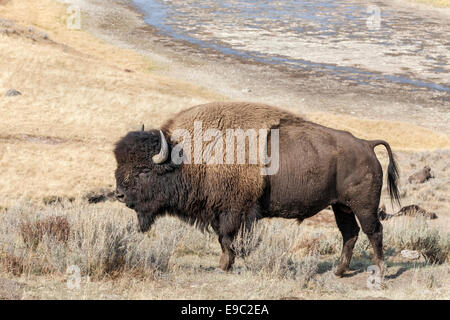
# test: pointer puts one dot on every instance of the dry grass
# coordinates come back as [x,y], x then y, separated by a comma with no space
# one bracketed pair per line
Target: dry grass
[416,234]
[401,136]
[76,101]
[276,258]
[102,242]
[33,232]
[55,144]
[174,260]
[433,194]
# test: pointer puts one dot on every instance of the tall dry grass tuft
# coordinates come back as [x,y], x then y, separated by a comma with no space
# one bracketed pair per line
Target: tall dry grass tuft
[11,263]
[416,234]
[279,249]
[102,241]
[325,243]
[33,232]
[248,239]
[269,249]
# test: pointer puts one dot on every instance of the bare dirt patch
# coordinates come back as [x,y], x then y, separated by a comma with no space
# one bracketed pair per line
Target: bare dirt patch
[32,139]
[11,289]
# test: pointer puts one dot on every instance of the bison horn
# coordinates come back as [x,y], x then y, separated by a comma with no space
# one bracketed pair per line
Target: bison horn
[164,152]
[142,128]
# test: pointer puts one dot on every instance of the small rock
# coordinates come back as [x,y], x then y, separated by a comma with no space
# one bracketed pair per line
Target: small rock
[5,23]
[421,176]
[11,289]
[12,93]
[246,90]
[45,36]
[410,254]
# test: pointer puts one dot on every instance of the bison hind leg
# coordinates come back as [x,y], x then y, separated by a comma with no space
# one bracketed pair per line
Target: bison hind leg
[372,227]
[346,222]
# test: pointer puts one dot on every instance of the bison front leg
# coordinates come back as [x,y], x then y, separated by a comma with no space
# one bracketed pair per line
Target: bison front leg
[228,255]
[228,228]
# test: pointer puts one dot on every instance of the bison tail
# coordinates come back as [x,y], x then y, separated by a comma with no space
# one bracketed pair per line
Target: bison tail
[393,172]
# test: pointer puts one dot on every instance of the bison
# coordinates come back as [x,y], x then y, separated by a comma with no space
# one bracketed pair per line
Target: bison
[317,167]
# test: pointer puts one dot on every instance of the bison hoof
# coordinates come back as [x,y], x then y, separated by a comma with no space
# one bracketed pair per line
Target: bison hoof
[341,271]
[225,268]
[226,262]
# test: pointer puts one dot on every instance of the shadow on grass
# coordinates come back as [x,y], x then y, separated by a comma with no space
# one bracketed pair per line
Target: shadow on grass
[360,264]
[325,266]
[403,267]
[397,274]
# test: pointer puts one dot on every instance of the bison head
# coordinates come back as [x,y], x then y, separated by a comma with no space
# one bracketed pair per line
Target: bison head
[144,175]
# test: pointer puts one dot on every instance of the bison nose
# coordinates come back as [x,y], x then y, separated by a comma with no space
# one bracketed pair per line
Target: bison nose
[120,196]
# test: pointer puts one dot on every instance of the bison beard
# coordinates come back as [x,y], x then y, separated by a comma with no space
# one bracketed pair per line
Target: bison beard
[145,221]
[318,167]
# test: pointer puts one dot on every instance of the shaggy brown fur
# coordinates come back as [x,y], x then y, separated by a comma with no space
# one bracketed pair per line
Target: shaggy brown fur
[319,167]
[244,184]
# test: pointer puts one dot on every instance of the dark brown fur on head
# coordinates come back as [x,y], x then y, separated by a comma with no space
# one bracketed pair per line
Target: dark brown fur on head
[146,187]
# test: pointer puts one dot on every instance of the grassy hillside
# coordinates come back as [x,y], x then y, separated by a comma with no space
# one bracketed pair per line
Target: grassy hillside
[79,95]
